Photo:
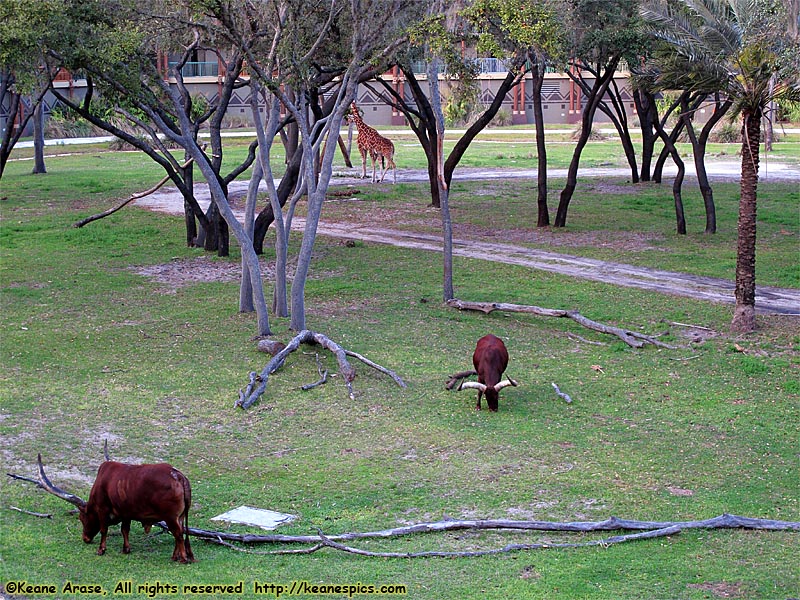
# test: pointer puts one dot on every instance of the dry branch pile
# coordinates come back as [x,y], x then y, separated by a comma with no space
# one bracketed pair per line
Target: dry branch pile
[258,382]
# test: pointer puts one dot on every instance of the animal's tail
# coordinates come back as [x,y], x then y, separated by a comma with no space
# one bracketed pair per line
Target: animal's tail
[187,502]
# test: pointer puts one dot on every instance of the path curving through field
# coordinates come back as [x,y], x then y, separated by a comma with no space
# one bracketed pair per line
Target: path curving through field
[769,300]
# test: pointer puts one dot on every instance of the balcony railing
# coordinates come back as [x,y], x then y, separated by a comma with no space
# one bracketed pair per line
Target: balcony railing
[485,65]
[198,69]
[492,65]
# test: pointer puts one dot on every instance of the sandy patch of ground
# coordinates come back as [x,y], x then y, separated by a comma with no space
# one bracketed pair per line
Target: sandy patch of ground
[181,272]
[721,589]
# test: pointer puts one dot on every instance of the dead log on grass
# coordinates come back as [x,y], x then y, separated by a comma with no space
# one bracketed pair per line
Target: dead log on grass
[258,382]
[650,528]
[725,521]
[632,338]
[327,542]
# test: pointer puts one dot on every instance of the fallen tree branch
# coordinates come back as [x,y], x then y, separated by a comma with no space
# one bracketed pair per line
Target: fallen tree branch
[133,197]
[723,521]
[348,373]
[330,543]
[377,367]
[632,338]
[651,529]
[244,394]
[573,336]
[617,539]
[456,378]
[323,376]
[33,514]
[222,542]
[561,394]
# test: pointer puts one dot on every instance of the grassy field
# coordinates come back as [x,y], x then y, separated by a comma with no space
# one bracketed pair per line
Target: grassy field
[94,350]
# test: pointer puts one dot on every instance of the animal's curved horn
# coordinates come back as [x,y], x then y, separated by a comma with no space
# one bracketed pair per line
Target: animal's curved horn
[505,383]
[475,385]
[47,485]
[105,449]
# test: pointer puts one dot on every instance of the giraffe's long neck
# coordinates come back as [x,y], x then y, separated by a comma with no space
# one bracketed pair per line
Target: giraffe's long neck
[356,117]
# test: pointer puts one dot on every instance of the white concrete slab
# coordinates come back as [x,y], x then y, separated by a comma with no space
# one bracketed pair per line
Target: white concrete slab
[258,517]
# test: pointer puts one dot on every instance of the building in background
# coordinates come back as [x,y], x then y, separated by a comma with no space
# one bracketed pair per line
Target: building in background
[562,99]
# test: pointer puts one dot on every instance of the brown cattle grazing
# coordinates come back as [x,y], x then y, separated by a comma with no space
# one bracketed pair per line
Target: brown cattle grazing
[123,493]
[490,360]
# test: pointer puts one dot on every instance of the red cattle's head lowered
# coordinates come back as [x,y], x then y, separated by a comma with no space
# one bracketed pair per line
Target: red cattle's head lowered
[123,493]
[490,360]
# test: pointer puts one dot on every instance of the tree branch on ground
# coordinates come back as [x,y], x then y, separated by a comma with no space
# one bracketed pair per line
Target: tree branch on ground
[33,514]
[323,376]
[567,398]
[254,392]
[507,548]
[632,338]
[649,529]
[133,197]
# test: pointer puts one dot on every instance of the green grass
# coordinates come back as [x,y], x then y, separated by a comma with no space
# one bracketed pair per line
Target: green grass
[92,351]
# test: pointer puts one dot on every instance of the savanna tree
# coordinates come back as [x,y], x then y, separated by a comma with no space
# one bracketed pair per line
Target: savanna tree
[438,38]
[28,29]
[292,45]
[603,35]
[122,66]
[743,49]
[535,31]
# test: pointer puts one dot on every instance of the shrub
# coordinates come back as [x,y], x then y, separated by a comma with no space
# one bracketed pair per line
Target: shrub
[726,133]
[501,119]
[594,134]
[64,123]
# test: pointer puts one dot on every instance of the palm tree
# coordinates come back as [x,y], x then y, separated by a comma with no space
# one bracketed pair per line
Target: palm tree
[735,47]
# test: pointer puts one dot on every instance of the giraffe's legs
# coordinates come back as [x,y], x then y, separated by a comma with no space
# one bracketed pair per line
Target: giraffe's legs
[374,155]
[363,162]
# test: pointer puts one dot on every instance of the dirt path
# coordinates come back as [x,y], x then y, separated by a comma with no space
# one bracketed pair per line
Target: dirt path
[769,300]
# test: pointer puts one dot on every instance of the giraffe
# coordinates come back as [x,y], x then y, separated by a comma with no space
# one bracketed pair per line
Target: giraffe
[370,141]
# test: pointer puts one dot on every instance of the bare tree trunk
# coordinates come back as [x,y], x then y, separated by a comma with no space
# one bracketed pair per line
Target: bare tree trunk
[265,139]
[677,183]
[699,151]
[512,79]
[316,187]
[188,141]
[189,217]
[422,121]
[658,170]
[246,286]
[16,114]
[744,316]
[38,139]
[443,190]
[289,181]
[648,117]
[616,113]
[542,212]
[619,117]
[598,90]
[673,135]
